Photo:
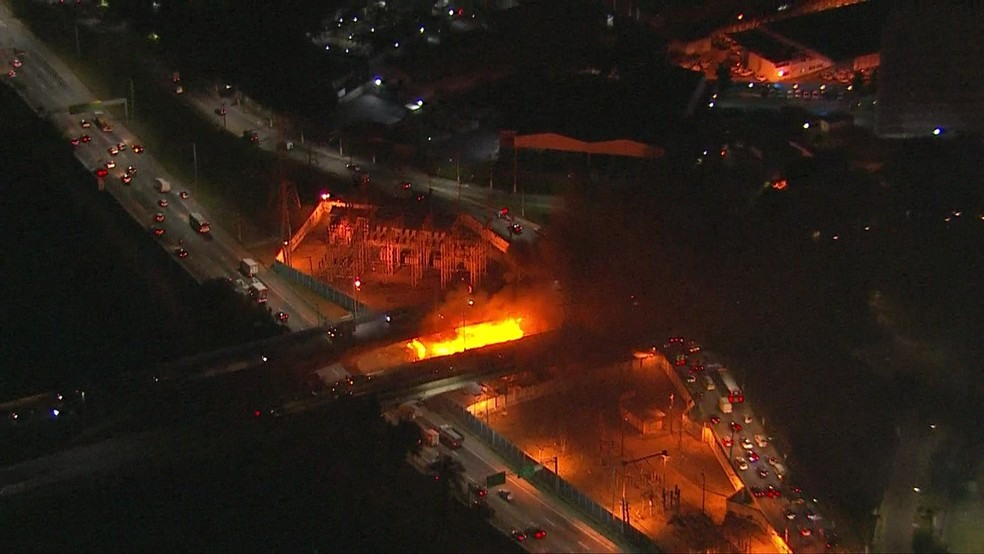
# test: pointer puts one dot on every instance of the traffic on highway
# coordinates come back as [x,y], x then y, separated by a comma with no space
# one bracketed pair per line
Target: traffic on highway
[742,438]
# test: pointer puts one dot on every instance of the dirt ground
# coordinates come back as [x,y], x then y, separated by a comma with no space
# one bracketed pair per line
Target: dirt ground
[582,428]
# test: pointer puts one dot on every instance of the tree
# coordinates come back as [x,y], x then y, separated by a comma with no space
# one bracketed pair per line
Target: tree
[449,472]
[723,77]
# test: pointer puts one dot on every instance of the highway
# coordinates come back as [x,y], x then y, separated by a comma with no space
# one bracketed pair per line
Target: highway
[529,506]
[475,199]
[50,87]
[806,531]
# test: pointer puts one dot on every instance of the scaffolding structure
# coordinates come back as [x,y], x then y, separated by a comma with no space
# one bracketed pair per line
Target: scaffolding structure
[357,245]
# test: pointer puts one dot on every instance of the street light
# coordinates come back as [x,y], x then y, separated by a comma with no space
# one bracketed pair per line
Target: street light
[358,289]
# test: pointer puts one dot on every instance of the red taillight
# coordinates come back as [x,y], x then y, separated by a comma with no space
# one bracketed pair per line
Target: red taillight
[256,413]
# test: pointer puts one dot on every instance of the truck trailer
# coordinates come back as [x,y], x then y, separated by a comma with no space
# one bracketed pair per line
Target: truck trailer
[249,267]
[162,185]
[199,223]
[258,291]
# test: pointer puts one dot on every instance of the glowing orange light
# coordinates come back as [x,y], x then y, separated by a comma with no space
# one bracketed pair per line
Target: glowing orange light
[468,337]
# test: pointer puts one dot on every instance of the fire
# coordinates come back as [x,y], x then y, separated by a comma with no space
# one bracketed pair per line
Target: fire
[468,337]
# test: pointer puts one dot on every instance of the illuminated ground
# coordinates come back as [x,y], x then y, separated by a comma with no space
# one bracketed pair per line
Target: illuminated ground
[588,444]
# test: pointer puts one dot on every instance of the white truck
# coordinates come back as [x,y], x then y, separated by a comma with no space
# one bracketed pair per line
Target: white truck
[162,185]
[724,405]
[258,291]
[249,267]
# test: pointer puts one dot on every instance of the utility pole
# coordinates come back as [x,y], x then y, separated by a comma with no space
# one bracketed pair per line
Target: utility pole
[133,100]
[78,43]
[703,491]
[194,158]
[515,167]
[457,171]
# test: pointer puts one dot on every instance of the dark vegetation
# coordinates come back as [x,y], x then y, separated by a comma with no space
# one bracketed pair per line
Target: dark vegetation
[90,295]
[238,181]
[719,257]
[288,485]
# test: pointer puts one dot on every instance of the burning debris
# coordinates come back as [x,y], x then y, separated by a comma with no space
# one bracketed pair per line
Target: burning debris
[467,337]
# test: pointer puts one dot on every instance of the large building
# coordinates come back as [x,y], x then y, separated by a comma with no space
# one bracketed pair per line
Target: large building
[931,78]
[849,36]
[776,58]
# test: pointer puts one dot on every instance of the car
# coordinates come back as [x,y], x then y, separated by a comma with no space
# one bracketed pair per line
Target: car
[516,229]
[110,164]
[698,368]
[741,464]
[504,214]
[753,457]
[478,490]
[181,252]
[406,185]
[184,195]
[757,492]
[761,441]
[763,473]
[806,532]
[130,170]
[746,444]
[11,74]
[121,146]
[125,179]
[715,420]
[747,419]
[159,217]
[772,492]
[735,426]
[773,461]
[282,317]
[102,172]
[162,202]
[75,141]
[676,340]
[158,231]
[691,378]
[812,516]
[355,168]
[693,348]
[113,150]
[420,197]
[137,149]
[789,514]
[17,63]
[505,494]
[221,110]
[536,532]
[519,535]
[85,138]
[727,442]
[85,123]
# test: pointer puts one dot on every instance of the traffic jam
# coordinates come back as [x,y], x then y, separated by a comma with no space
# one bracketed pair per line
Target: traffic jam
[743,439]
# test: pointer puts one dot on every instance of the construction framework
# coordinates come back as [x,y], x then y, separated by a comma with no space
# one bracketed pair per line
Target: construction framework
[357,245]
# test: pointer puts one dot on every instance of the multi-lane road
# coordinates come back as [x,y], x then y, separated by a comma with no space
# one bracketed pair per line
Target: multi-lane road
[528,507]
[476,200]
[742,438]
[51,87]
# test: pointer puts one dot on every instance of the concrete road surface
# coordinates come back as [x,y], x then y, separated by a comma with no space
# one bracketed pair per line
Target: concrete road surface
[50,86]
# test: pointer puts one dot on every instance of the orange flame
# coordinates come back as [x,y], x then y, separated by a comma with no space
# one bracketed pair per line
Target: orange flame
[468,337]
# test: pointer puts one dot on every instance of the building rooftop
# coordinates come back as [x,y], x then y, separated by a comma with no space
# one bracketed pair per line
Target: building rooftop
[766,46]
[839,34]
